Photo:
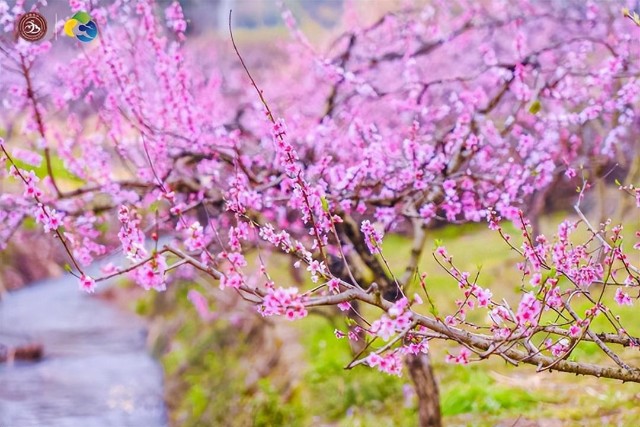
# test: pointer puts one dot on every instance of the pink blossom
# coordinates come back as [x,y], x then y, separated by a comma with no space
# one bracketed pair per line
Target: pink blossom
[499,314]
[334,286]
[283,302]
[27,156]
[483,296]
[528,310]
[623,298]
[231,280]
[389,363]
[536,279]
[87,284]
[554,299]
[450,320]
[31,190]
[372,237]
[560,348]
[570,173]
[316,268]
[461,359]
[416,348]
[175,19]
[442,251]
[152,273]
[384,327]
[49,218]
[344,306]
[195,237]
[374,360]
[130,235]
[398,307]
[575,331]
[428,212]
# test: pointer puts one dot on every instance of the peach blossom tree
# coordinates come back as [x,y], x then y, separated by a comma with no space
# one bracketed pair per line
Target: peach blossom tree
[193,161]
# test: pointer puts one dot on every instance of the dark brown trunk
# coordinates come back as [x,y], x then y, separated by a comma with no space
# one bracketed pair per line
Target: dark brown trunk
[426,389]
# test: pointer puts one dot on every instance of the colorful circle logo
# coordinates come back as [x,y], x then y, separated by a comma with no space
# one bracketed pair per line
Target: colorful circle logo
[81,27]
[32,26]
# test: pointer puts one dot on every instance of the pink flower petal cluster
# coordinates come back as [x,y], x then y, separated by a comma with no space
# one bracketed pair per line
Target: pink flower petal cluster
[397,320]
[372,237]
[283,302]
[130,235]
[87,284]
[389,363]
[151,275]
[528,310]
[623,298]
[461,359]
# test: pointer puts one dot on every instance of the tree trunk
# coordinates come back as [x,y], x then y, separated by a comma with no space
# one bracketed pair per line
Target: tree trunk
[426,389]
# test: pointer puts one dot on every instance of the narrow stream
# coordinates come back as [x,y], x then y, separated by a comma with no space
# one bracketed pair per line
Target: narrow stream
[95,372]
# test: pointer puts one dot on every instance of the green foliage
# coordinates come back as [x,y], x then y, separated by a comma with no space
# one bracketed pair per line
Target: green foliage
[29,224]
[325,204]
[143,307]
[470,389]
[270,410]
[197,398]
[341,394]
[208,372]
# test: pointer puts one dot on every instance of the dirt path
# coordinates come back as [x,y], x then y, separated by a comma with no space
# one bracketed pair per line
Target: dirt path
[95,372]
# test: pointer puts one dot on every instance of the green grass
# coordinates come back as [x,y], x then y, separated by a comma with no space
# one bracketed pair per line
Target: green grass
[345,396]
[472,390]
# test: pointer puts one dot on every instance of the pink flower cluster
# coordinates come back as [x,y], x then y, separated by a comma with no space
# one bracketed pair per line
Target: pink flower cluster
[528,310]
[372,237]
[283,302]
[389,363]
[130,235]
[397,320]
[195,241]
[48,217]
[461,359]
[151,275]
[623,298]
[175,19]
[559,348]
[30,183]
[87,284]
